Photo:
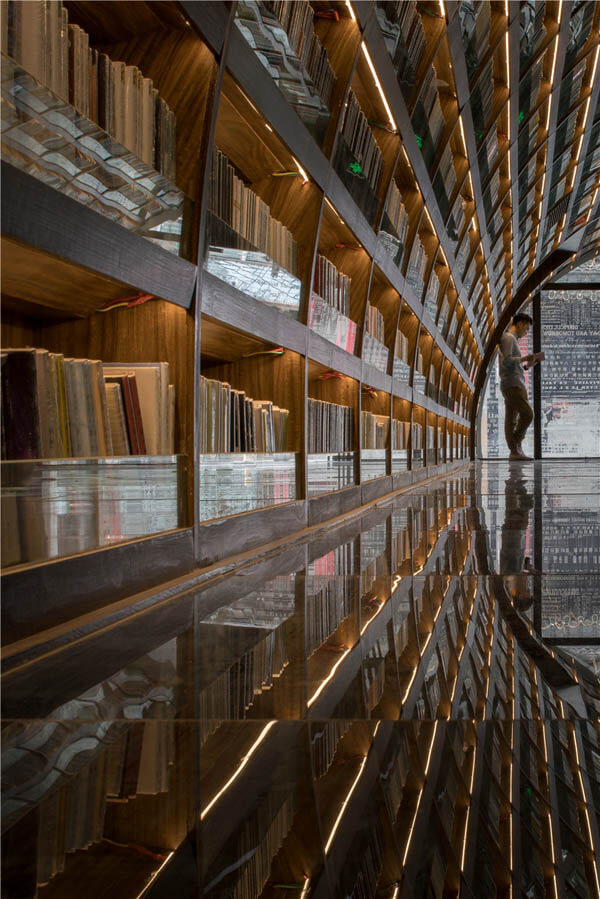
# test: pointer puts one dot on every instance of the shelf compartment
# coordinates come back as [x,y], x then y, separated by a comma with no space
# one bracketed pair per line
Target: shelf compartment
[58,507]
[232,483]
[46,137]
[373,464]
[329,471]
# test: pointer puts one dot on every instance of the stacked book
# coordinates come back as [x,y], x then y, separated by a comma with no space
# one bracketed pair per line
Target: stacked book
[296,18]
[258,841]
[325,737]
[126,105]
[430,437]
[403,31]
[358,136]
[394,227]
[329,311]
[231,422]
[249,216]
[431,105]
[482,98]
[401,349]
[55,407]
[375,323]
[444,316]
[456,221]
[475,20]
[417,436]
[329,600]
[446,173]
[330,427]
[431,297]
[400,432]
[415,275]
[532,27]
[374,430]
[332,285]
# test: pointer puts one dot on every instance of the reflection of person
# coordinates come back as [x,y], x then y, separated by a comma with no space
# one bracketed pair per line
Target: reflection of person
[519,413]
[513,565]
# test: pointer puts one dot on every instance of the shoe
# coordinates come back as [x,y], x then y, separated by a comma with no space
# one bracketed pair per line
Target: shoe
[520,457]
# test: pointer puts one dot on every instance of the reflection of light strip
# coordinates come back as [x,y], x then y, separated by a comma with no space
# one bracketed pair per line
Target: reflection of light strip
[464,845]
[155,875]
[320,689]
[396,892]
[344,804]
[367,623]
[350,10]
[594,69]
[334,210]
[593,848]
[442,9]
[507,66]
[239,768]
[550,814]
[304,892]
[379,87]
[410,683]
[560,6]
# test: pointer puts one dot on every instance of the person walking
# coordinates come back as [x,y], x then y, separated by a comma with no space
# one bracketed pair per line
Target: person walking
[519,413]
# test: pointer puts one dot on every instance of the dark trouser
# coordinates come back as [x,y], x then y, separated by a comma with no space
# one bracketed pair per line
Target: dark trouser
[519,415]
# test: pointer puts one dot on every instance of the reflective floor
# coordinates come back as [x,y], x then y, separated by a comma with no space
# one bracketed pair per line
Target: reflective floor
[405,706]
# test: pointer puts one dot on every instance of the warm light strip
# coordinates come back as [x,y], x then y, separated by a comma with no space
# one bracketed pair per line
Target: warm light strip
[300,169]
[585,115]
[574,739]
[429,220]
[379,87]
[304,892]
[427,763]
[442,8]
[344,804]
[462,132]
[333,209]
[506,8]
[507,62]
[238,770]
[554,63]
[329,677]
[367,623]
[396,892]
[155,875]
[464,845]
[594,69]
[350,10]
[412,827]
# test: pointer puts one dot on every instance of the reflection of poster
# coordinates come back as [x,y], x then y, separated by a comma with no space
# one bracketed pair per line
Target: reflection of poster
[571,427]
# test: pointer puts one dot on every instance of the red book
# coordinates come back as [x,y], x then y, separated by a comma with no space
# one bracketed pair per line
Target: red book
[133,416]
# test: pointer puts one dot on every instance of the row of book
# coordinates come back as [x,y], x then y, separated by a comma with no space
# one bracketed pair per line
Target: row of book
[325,737]
[375,323]
[37,34]
[330,427]
[249,216]
[55,407]
[394,229]
[431,297]
[407,29]
[329,601]
[430,100]
[401,348]
[332,285]
[231,422]
[357,133]
[374,430]
[297,21]
[260,838]
[415,273]
[334,326]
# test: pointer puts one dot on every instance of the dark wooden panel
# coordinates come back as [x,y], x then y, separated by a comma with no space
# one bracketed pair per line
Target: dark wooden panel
[217,539]
[372,490]
[333,357]
[43,596]
[39,216]
[322,508]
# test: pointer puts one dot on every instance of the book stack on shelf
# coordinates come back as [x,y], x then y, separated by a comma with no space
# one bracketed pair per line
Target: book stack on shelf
[330,427]
[482,97]
[475,20]
[430,444]
[428,119]
[400,433]
[445,180]
[488,154]
[325,738]
[416,435]
[456,221]
[245,240]
[533,30]
[282,32]
[403,33]
[328,601]
[330,435]
[444,315]
[419,379]
[394,225]
[401,369]
[431,297]
[231,422]
[415,273]
[374,439]
[358,159]
[329,312]
[104,135]
[245,461]
[374,349]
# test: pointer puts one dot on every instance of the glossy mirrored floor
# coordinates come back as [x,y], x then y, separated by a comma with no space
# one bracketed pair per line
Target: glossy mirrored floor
[404,706]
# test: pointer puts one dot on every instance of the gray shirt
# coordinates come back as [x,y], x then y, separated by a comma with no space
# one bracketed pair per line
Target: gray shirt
[512,373]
